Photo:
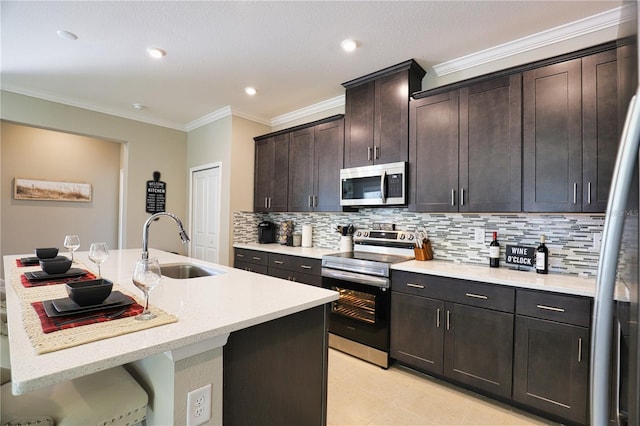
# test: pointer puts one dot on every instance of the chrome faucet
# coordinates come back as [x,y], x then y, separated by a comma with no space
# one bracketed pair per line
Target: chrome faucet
[145,231]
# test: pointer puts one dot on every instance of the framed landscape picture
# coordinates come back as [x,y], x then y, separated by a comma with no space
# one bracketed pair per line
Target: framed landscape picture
[34,189]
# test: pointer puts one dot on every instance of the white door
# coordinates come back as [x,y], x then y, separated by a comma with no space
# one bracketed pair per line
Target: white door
[205,220]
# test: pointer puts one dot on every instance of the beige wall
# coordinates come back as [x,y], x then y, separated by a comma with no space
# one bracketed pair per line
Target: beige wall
[30,152]
[146,148]
[228,141]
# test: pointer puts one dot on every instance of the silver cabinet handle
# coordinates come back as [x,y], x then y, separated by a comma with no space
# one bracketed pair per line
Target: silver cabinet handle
[368,153]
[453,197]
[269,202]
[579,349]
[550,308]
[305,266]
[461,196]
[376,152]
[589,193]
[575,192]
[310,201]
[437,317]
[315,201]
[476,296]
[239,255]
[278,262]
[448,319]
[256,258]
[414,285]
[266,204]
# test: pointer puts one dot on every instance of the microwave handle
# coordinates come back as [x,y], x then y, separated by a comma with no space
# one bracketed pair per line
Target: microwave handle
[383,192]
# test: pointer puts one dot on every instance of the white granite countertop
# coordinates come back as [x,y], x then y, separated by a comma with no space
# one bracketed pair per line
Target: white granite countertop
[561,283]
[207,308]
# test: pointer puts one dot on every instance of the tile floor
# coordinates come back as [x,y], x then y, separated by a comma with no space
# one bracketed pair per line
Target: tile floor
[362,394]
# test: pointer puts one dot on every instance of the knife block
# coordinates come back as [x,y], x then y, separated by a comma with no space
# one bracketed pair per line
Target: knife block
[425,252]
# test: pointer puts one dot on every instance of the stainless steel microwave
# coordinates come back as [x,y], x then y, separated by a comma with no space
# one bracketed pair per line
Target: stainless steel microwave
[377,185]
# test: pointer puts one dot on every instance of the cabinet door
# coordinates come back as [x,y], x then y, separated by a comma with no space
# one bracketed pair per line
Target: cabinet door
[329,157]
[433,152]
[479,348]
[271,174]
[391,131]
[551,367]
[359,122]
[301,163]
[599,128]
[417,331]
[491,146]
[552,161]
[263,171]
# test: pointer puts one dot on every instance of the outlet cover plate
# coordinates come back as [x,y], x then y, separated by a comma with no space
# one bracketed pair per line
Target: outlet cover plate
[199,406]
[478,235]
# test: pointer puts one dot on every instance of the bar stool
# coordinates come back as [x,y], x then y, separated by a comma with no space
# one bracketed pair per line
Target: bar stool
[110,397]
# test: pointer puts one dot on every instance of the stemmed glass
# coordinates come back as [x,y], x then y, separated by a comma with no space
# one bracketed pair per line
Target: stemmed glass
[72,243]
[146,276]
[98,253]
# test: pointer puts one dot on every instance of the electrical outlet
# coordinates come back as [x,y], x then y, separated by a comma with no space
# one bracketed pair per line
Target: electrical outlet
[199,406]
[478,235]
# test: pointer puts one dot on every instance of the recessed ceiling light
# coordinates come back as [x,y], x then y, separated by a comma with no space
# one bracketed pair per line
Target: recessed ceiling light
[250,91]
[138,107]
[156,52]
[66,35]
[349,45]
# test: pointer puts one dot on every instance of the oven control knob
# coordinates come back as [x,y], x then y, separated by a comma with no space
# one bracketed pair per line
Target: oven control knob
[358,233]
[410,236]
[402,236]
[366,233]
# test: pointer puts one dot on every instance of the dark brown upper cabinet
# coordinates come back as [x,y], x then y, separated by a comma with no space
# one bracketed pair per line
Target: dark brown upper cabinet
[315,159]
[271,178]
[599,128]
[298,169]
[570,134]
[377,115]
[466,149]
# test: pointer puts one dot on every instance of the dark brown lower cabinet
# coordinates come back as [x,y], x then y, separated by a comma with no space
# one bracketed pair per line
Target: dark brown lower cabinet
[275,373]
[467,344]
[479,348]
[417,336]
[551,367]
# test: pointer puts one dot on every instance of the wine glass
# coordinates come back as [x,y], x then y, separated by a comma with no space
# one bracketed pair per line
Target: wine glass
[98,253]
[72,243]
[146,276]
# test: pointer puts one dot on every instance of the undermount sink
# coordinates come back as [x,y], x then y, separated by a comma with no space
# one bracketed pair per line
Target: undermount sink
[186,270]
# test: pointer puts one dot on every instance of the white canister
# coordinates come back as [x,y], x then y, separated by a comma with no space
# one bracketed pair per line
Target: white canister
[306,236]
[346,243]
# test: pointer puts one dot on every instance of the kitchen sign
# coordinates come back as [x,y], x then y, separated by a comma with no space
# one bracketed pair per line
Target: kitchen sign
[520,256]
[156,194]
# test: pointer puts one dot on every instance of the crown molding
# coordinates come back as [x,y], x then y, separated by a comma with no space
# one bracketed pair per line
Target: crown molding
[323,106]
[130,115]
[568,31]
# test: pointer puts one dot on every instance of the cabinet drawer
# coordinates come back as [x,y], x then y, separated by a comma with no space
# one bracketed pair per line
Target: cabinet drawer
[251,267]
[251,256]
[295,276]
[295,263]
[563,308]
[473,293]
[417,284]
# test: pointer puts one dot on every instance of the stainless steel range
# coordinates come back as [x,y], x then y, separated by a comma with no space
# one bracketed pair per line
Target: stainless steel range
[359,319]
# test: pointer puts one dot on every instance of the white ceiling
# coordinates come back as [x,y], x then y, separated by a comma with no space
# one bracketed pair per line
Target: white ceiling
[289,51]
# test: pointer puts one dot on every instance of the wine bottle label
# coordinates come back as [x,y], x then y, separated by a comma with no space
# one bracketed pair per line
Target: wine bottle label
[494,251]
[541,260]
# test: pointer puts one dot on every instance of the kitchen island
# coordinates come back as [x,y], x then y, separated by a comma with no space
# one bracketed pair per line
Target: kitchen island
[172,359]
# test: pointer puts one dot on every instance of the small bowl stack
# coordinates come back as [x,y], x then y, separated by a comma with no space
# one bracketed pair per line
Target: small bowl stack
[51,263]
[87,293]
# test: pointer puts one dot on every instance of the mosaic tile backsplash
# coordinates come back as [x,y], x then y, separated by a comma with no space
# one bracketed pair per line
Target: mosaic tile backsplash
[569,237]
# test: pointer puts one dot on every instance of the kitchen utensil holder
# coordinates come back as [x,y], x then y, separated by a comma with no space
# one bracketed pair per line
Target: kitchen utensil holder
[425,252]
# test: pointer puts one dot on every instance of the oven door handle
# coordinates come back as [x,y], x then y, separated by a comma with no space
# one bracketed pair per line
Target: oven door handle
[356,278]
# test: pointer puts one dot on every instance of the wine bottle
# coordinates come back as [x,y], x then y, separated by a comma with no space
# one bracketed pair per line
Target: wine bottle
[494,252]
[542,257]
